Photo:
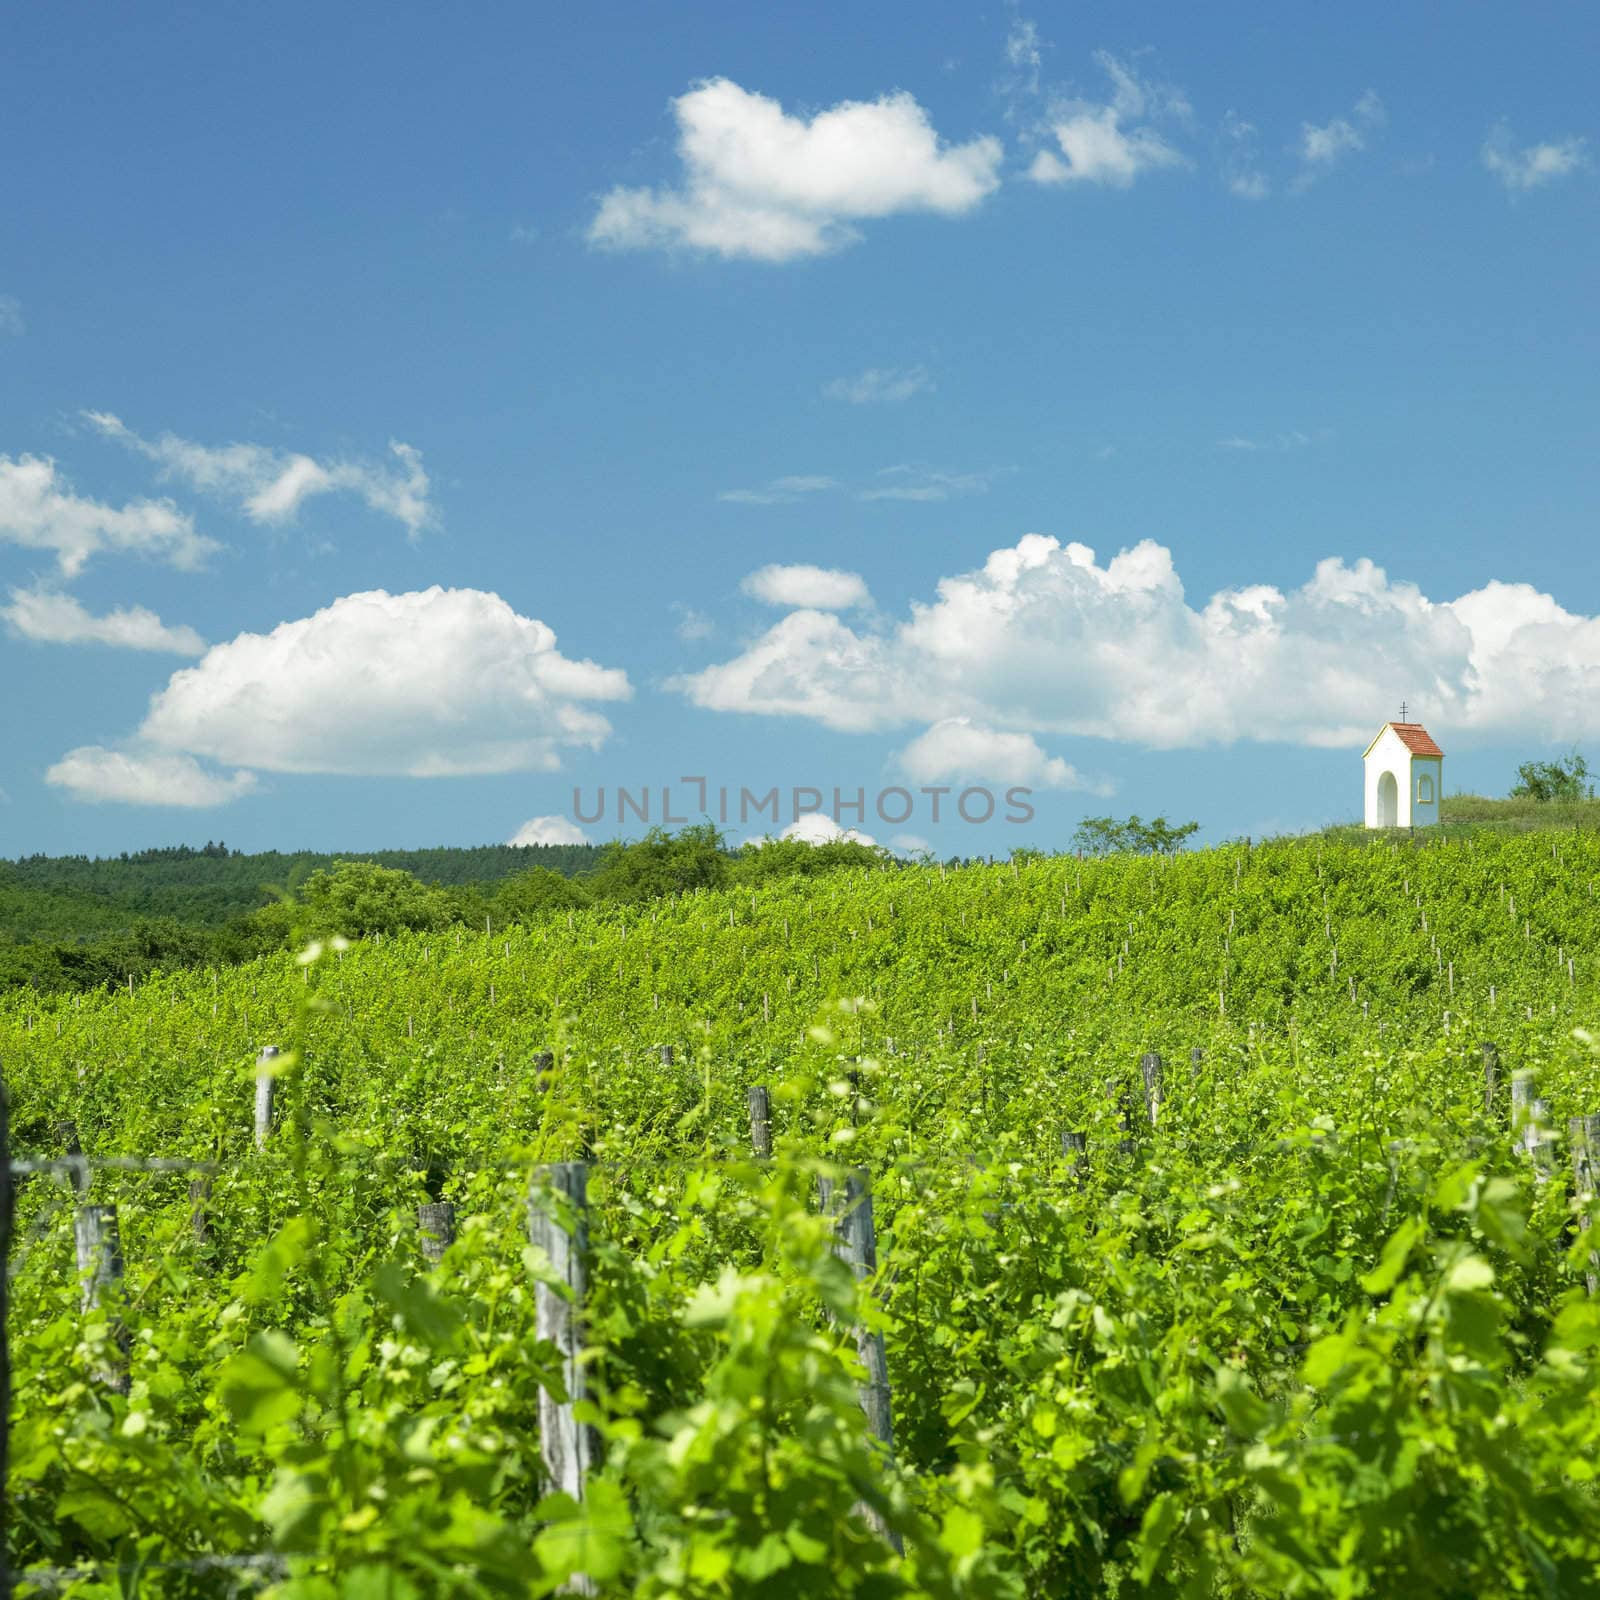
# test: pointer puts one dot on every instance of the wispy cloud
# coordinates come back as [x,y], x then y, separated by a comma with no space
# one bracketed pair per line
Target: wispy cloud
[1240,159]
[1112,142]
[272,485]
[50,617]
[692,624]
[904,481]
[1531,166]
[11,315]
[765,184]
[908,482]
[880,385]
[40,511]
[1293,439]
[779,491]
[1322,146]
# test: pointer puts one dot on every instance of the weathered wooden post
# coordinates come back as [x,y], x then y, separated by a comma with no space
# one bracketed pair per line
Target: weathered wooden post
[1150,1071]
[98,1243]
[199,1223]
[1529,1118]
[1491,1073]
[666,1055]
[558,1223]
[855,1243]
[1584,1132]
[436,1223]
[1197,1062]
[760,1120]
[266,1094]
[1117,1093]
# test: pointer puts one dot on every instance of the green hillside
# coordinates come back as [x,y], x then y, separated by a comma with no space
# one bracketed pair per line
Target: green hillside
[71,896]
[1228,1338]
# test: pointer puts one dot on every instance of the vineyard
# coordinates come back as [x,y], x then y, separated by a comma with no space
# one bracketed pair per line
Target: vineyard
[1213,1225]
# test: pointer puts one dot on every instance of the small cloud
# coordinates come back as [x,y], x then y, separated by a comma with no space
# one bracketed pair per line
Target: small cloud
[1240,160]
[547,830]
[524,233]
[804,483]
[1112,143]
[765,184]
[880,386]
[692,624]
[957,747]
[910,844]
[138,778]
[272,485]
[779,491]
[49,617]
[817,827]
[40,511]
[1293,439]
[1323,146]
[11,315]
[906,482]
[1531,166]
[807,588]
[1105,452]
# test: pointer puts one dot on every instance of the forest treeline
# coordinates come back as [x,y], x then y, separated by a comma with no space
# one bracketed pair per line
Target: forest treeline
[76,923]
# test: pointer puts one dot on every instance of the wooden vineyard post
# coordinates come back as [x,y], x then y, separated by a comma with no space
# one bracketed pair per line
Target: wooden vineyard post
[7,1206]
[666,1055]
[1584,1132]
[1529,1115]
[1150,1071]
[855,1243]
[760,1120]
[98,1243]
[199,1224]
[266,1094]
[1197,1062]
[1491,1073]
[436,1223]
[558,1224]
[1075,1151]
[1119,1095]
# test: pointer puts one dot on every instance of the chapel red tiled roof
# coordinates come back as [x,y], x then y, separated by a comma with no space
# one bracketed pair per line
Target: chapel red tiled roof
[1416,739]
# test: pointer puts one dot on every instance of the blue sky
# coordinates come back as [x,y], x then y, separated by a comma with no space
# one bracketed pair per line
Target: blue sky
[755,386]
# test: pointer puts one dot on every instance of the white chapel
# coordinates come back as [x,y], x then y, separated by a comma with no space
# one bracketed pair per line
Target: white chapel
[1404,770]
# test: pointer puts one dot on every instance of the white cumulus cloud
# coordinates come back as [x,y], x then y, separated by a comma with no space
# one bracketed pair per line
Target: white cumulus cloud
[40,511]
[958,747]
[145,778]
[820,588]
[427,684]
[763,183]
[548,830]
[1111,142]
[1531,166]
[50,617]
[1045,640]
[817,827]
[272,485]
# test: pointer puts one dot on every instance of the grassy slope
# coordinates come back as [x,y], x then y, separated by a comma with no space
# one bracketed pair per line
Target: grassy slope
[1464,815]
